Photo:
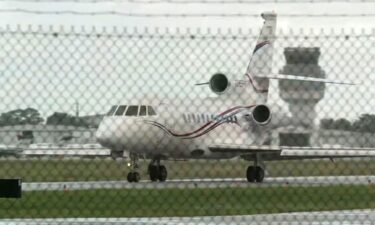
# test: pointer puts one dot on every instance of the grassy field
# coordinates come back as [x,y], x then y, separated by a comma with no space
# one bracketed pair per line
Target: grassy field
[188,202]
[99,169]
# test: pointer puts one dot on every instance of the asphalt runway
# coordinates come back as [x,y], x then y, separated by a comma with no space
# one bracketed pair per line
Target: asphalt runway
[351,217]
[201,183]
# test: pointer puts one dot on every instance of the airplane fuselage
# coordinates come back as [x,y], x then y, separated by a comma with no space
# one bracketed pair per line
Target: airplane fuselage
[181,132]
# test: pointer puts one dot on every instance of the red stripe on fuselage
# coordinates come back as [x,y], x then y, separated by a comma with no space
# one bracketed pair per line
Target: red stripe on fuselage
[213,125]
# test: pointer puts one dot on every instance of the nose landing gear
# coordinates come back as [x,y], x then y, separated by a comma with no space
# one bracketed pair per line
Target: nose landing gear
[156,171]
[133,175]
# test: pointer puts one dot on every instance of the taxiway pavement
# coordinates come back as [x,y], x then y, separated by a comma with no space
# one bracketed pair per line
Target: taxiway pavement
[201,183]
[348,217]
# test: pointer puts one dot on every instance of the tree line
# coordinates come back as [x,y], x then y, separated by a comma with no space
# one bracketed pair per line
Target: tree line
[33,117]
[365,123]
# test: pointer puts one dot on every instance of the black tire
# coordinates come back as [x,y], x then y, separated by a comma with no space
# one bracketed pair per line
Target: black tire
[259,174]
[251,174]
[153,172]
[162,173]
[136,177]
[130,177]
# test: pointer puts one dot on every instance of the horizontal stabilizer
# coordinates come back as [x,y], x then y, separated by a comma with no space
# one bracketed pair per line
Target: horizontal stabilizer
[302,78]
[327,152]
[294,152]
[233,148]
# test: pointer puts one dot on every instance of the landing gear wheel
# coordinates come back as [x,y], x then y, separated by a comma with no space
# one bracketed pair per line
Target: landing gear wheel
[162,173]
[157,173]
[259,174]
[255,174]
[136,177]
[251,174]
[133,177]
[153,172]
[130,177]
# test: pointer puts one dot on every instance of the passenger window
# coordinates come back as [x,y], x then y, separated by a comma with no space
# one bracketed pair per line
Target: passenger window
[151,111]
[185,118]
[132,110]
[112,110]
[193,118]
[120,110]
[142,111]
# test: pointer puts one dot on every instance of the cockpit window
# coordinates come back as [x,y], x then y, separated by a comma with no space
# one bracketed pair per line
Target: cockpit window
[132,110]
[151,111]
[112,110]
[120,110]
[142,111]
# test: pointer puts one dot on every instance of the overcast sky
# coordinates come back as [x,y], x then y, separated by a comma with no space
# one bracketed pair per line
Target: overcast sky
[280,8]
[21,74]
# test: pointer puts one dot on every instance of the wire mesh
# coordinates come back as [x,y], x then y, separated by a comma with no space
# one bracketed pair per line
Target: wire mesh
[183,127]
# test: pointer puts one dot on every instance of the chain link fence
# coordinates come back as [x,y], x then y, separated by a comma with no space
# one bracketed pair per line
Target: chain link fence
[159,123]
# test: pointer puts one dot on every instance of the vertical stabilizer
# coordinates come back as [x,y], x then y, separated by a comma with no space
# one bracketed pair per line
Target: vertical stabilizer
[261,60]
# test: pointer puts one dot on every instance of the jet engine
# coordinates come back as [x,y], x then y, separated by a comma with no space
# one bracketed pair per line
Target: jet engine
[260,115]
[219,83]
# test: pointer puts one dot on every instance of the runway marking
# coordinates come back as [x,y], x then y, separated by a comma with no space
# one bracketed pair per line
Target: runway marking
[202,183]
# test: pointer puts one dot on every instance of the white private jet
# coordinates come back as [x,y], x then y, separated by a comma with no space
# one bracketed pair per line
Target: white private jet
[236,123]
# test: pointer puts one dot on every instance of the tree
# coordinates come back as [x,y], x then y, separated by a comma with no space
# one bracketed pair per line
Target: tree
[339,124]
[21,117]
[365,123]
[60,118]
[326,123]
[342,124]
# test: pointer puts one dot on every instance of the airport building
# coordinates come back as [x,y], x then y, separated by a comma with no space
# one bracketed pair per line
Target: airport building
[41,133]
[299,136]
[300,96]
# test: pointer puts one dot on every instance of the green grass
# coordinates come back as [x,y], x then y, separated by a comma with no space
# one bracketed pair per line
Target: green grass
[186,202]
[99,169]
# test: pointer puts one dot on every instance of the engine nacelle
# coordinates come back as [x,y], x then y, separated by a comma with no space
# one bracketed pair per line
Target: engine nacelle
[261,115]
[219,83]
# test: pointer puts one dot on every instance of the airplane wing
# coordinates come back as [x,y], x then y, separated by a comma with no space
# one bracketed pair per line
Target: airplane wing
[328,152]
[287,152]
[66,151]
[302,78]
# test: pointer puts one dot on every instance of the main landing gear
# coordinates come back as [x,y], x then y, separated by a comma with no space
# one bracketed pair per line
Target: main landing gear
[256,173]
[133,175]
[157,171]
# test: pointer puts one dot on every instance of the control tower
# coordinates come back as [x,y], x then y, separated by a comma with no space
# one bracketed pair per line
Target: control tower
[302,97]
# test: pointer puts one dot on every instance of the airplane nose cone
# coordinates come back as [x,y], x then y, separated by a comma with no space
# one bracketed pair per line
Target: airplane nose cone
[104,135]
[108,134]
[102,138]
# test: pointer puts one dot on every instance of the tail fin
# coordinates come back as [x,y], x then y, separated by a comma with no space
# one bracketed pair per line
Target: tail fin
[261,60]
